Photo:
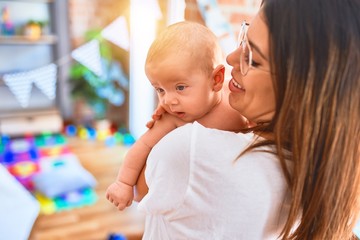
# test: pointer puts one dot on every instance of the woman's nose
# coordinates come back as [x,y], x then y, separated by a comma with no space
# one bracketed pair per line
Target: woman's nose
[233,58]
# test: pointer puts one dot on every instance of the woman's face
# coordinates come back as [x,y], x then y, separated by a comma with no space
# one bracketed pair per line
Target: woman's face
[253,94]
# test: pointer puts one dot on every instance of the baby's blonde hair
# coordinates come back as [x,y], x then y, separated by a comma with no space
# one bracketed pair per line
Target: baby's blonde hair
[191,38]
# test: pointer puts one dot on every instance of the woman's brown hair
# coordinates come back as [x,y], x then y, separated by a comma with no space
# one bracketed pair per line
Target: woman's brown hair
[315,55]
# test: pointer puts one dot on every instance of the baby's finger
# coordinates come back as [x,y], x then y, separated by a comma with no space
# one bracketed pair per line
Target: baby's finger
[160,111]
[150,124]
[120,207]
[156,117]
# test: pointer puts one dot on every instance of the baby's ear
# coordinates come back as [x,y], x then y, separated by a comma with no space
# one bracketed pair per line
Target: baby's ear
[218,77]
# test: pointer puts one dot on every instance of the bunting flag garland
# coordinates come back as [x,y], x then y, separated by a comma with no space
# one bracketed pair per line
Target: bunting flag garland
[89,56]
[117,33]
[45,80]
[20,86]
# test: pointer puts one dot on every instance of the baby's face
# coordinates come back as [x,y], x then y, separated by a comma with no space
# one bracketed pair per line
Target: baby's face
[182,88]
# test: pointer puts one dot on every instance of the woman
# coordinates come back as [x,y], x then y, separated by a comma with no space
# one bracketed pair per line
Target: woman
[314,49]
[296,74]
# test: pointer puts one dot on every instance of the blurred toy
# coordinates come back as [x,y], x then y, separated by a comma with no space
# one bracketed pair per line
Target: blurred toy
[4,139]
[92,134]
[20,150]
[7,27]
[128,139]
[45,140]
[63,184]
[53,151]
[71,130]
[110,141]
[119,138]
[76,199]
[61,175]
[70,200]
[116,236]
[32,29]
[21,158]
[83,133]
[51,145]
[23,169]
[47,205]
[103,129]
[45,165]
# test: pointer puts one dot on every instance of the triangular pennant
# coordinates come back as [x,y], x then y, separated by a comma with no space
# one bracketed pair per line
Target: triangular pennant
[45,80]
[117,33]
[20,85]
[89,56]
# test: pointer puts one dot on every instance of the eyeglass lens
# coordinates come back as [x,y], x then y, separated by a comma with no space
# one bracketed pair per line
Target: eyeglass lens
[245,52]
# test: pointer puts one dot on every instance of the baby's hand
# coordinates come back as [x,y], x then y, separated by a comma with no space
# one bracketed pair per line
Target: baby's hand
[120,194]
[159,111]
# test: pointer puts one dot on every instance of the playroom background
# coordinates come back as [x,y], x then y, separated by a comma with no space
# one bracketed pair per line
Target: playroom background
[74,98]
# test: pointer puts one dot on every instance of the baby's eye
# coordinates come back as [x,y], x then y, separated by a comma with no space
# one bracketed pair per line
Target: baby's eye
[180,88]
[159,90]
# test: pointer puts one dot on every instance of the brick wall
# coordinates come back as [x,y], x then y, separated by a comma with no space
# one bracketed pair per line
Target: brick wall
[93,14]
[234,10]
[89,14]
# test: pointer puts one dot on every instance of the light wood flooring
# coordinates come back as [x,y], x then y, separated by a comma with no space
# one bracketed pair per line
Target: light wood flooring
[97,221]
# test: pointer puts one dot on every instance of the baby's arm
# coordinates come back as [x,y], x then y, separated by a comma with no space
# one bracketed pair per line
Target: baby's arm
[140,188]
[120,192]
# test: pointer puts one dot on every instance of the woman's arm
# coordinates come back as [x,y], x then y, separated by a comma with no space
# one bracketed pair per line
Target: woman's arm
[167,171]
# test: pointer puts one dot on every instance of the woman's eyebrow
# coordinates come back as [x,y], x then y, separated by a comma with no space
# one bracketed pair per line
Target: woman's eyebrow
[254,46]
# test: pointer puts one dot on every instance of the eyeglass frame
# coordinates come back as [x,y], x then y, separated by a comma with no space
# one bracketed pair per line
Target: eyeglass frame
[244,42]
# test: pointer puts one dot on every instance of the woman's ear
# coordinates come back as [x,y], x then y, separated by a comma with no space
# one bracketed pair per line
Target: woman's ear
[218,77]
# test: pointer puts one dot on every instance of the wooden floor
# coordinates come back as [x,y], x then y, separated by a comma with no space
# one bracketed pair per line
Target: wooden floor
[98,221]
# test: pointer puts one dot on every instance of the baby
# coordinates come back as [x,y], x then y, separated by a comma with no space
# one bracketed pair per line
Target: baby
[184,67]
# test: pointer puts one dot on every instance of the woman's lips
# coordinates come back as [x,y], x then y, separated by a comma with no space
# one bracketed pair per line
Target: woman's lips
[235,86]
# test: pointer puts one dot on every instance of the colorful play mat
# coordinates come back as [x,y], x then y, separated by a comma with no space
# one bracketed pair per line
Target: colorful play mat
[46,167]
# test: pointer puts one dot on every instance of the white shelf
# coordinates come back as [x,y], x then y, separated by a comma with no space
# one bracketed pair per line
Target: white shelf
[24,40]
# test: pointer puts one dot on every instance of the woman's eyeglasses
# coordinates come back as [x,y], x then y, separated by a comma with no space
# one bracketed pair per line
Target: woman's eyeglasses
[246,61]
[245,51]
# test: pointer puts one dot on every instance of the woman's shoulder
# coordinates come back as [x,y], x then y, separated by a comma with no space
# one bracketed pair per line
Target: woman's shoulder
[213,134]
[196,130]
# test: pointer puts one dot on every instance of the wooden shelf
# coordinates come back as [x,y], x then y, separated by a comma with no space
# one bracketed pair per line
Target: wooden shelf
[24,40]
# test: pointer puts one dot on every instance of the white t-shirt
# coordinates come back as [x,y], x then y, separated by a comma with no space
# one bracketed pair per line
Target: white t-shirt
[200,189]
